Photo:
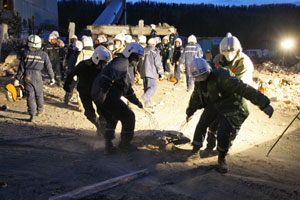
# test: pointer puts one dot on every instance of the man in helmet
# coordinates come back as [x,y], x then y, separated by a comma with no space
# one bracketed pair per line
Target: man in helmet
[150,70]
[191,50]
[178,50]
[32,63]
[77,48]
[54,51]
[167,54]
[173,36]
[108,88]
[86,72]
[100,40]
[87,50]
[231,57]
[143,41]
[119,42]
[153,32]
[222,95]
[208,56]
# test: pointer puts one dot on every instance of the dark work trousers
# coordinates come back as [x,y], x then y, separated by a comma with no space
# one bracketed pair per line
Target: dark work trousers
[114,109]
[177,72]
[189,80]
[150,85]
[69,95]
[34,92]
[90,113]
[166,65]
[207,117]
[57,70]
[224,135]
[212,134]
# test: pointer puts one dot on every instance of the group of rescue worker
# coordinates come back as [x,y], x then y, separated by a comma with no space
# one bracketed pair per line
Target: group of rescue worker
[105,70]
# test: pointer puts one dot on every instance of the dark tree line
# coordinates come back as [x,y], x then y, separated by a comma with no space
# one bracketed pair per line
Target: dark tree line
[255,26]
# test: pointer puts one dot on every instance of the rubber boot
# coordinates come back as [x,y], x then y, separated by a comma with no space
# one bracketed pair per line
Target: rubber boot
[127,146]
[223,168]
[67,98]
[31,119]
[109,147]
[196,148]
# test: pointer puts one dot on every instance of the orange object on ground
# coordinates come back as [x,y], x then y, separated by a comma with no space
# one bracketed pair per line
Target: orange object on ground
[173,79]
[12,89]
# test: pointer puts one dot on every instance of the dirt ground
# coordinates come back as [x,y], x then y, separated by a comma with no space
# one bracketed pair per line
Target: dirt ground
[60,152]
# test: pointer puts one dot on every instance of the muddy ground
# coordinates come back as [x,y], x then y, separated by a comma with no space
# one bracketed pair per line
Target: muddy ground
[60,152]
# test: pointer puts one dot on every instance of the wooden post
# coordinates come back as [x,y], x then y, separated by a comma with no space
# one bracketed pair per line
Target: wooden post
[71,30]
[141,27]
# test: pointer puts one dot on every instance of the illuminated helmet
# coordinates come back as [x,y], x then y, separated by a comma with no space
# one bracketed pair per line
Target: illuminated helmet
[77,45]
[34,41]
[166,38]
[152,41]
[178,40]
[101,54]
[192,39]
[133,48]
[199,69]
[74,37]
[120,37]
[102,38]
[87,42]
[142,39]
[128,39]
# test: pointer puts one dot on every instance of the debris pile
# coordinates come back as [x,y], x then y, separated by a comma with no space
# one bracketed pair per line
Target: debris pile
[10,65]
[280,84]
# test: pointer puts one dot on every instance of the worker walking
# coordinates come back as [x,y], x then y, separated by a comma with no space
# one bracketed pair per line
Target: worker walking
[221,94]
[108,88]
[150,70]
[191,50]
[86,72]
[33,61]
[231,57]
[167,55]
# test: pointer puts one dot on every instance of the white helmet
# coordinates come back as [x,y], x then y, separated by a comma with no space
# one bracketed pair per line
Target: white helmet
[74,37]
[120,37]
[152,41]
[52,36]
[192,39]
[142,39]
[178,40]
[230,43]
[166,38]
[158,40]
[133,48]
[34,41]
[153,26]
[101,53]
[102,38]
[87,42]
[199,69]
[77,45]
[128,39]
[55,33]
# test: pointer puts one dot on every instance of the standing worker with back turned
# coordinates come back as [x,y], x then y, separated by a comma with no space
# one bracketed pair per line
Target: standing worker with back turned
[32,63]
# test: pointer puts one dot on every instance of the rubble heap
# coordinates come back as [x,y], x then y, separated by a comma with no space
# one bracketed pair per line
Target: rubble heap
[279,83]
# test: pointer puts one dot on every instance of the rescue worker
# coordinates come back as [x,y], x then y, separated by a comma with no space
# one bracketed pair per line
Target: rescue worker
[53,51]
[72,40]
[232,58]
[166,55]
[108,88]
[153,32]
[208,56]
[191,50]
[173,36]
[100,40]
[221,94]
[77,48]
[143,41]
[87,71]
[176,56]
[32,63]
[150,71]
[118,45]
[159,45]
[87,50]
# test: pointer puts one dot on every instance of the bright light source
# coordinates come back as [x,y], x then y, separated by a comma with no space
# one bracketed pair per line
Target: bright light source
[287,43]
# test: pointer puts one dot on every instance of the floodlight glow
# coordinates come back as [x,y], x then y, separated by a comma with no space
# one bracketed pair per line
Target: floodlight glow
[287,44]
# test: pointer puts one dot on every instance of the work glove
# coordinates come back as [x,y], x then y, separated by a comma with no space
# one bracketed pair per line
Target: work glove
[16,83]
[188,118]
[269,111]
[140,105]
[52,82]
